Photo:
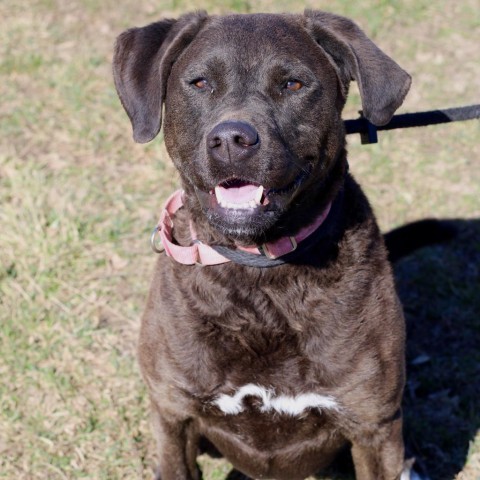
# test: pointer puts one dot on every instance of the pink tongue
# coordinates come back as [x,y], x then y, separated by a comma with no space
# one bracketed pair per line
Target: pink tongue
[243,194]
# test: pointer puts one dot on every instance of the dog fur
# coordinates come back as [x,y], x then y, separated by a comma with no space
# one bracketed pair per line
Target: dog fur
[281,367]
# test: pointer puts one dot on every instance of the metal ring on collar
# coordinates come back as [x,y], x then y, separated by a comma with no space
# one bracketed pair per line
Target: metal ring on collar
[155,241]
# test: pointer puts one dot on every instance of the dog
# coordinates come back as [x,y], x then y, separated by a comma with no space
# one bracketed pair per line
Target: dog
[272,327]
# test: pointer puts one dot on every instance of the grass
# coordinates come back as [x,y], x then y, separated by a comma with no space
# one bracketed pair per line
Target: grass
[78,199]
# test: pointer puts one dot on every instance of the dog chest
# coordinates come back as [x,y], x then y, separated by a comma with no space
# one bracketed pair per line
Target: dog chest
[260,442]
[271,402]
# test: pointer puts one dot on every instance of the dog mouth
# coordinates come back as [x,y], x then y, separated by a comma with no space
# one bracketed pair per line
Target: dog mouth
[238,194]
[244,208]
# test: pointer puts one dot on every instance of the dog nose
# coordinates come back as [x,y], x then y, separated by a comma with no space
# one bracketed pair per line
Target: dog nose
[232,141]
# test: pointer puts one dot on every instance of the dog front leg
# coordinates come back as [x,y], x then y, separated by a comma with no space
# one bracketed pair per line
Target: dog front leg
[381,456]
[177,448]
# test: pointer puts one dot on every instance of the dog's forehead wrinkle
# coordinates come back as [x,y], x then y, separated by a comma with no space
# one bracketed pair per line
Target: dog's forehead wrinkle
[205,66]
[243,61]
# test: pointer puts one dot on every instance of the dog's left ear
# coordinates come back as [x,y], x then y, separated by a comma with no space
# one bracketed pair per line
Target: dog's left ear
[142,62]
[382,83]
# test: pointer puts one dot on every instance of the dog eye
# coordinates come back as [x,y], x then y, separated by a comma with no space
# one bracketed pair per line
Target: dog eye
[200,83]
[293,85]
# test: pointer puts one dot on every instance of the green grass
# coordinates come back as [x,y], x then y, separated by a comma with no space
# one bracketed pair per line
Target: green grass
[78,199]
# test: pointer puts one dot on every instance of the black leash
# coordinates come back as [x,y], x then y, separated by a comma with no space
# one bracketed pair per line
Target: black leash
[368,131]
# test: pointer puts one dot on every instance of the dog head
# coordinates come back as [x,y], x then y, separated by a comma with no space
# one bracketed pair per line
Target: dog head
[253,108]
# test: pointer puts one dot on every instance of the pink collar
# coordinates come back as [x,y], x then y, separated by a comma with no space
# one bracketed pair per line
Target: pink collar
[201,254]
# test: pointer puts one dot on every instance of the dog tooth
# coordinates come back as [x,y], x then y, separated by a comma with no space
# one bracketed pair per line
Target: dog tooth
[259,195]
[218,194]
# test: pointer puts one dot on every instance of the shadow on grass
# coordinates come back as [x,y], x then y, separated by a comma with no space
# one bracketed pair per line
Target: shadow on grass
[439,287]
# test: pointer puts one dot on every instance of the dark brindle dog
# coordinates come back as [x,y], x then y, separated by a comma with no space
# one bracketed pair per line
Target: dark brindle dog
[278,367]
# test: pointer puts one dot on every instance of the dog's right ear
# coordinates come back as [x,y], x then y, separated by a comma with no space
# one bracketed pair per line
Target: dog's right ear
[142,62]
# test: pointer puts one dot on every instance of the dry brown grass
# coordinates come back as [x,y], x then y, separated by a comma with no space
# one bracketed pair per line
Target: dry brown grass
[78,198]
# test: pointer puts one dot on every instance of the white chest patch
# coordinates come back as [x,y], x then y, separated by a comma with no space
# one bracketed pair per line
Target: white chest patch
[233,404]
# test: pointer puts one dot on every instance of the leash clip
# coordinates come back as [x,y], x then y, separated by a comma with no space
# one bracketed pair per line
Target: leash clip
[370,134]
